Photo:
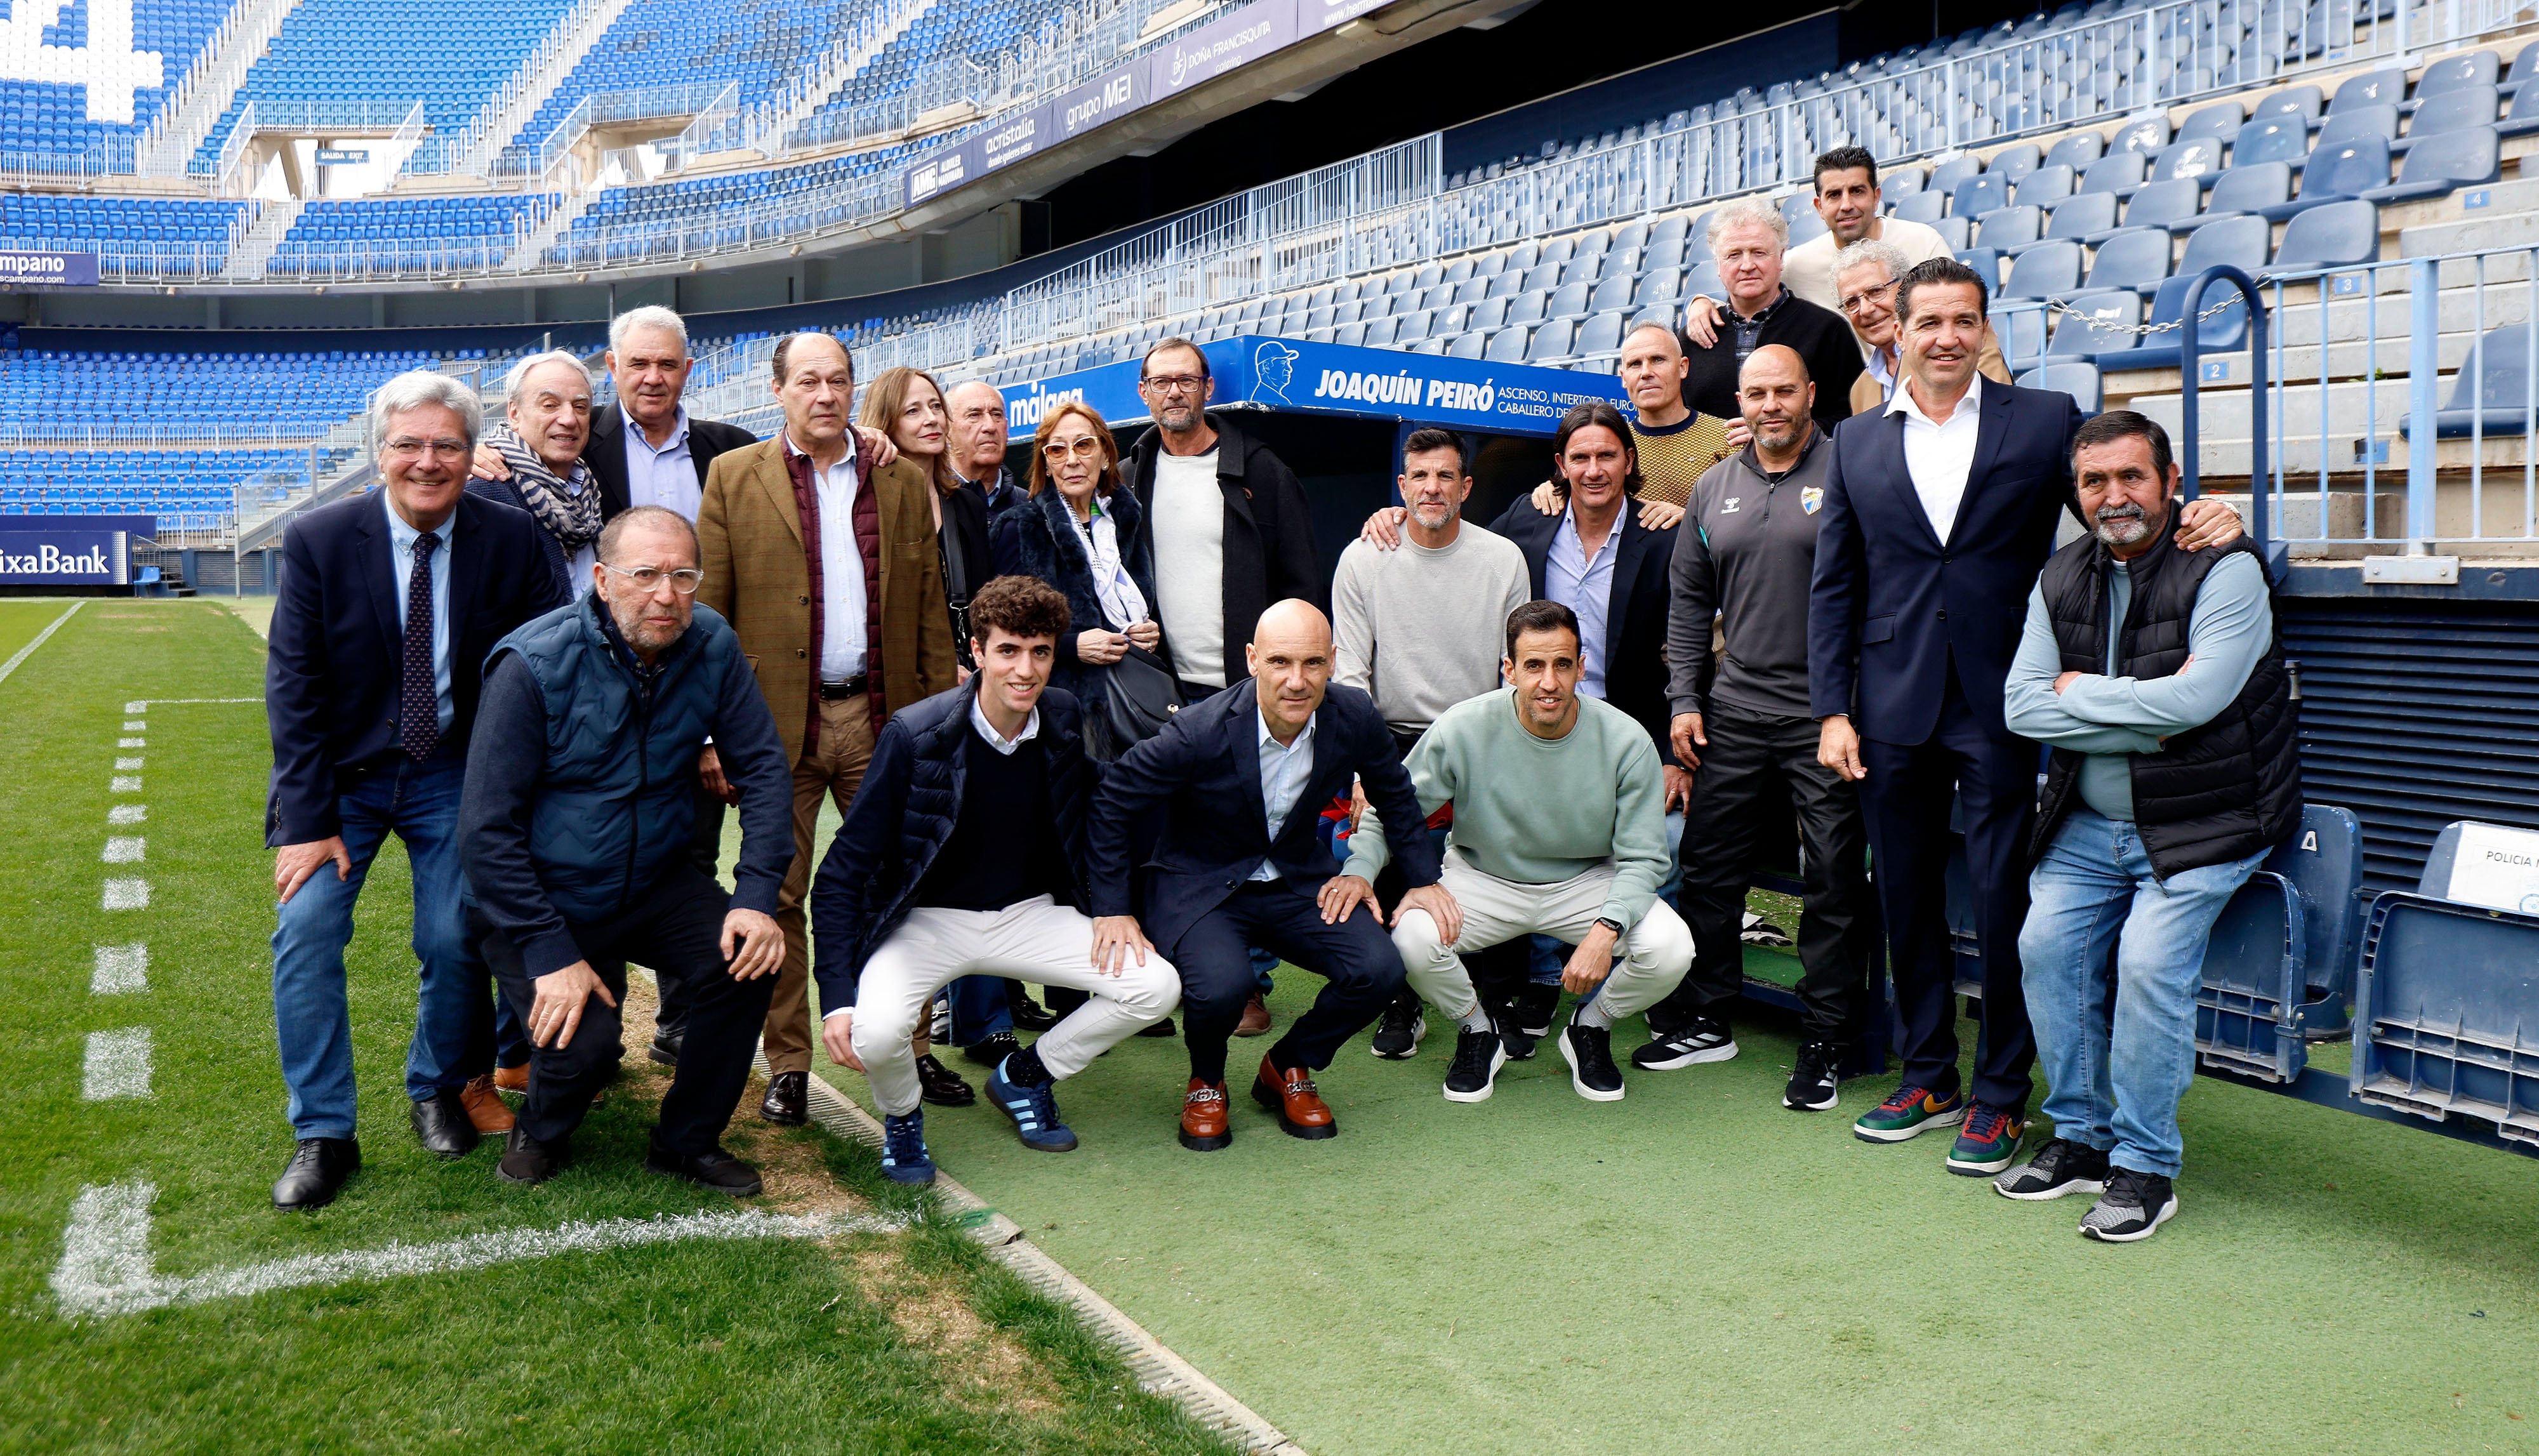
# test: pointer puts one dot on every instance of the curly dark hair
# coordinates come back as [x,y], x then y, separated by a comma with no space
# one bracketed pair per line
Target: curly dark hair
[1020,606]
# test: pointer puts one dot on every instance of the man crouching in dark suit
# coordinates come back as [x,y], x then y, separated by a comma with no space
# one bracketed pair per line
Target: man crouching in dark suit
[389,603]
[1241,778]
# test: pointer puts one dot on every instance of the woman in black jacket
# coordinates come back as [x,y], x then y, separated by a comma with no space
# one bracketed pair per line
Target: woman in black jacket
[1078,532]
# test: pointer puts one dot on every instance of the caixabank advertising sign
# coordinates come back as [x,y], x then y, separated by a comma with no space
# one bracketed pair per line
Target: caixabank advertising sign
[68,550]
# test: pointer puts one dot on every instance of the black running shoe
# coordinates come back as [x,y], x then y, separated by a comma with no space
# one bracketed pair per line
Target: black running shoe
[2059,1167]
[1508,1015]
[1535,1005]
[1707,1039]
[1588,1050]
[993,1048]
[1478,1056]
[2133,1208]
[1404,1028]
[1812,1084]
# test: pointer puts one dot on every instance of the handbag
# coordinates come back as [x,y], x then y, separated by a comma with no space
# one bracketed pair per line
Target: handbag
[1141,695]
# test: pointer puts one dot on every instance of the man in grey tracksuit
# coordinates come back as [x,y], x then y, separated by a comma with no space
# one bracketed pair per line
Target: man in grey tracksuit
[1742,558]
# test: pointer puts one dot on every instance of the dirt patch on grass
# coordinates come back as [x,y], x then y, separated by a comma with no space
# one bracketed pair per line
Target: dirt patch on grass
[982,1367]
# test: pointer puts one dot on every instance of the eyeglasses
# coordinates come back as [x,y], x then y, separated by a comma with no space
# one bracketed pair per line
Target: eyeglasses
[1855,303]
[407,447]
[1086,447]
[649,579]
[1175,383]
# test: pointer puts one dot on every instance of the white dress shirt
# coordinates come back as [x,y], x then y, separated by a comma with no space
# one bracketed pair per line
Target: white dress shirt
[1283,771]
[988,730]
[401,539]
[1939,458]
[842,569]
[664,477]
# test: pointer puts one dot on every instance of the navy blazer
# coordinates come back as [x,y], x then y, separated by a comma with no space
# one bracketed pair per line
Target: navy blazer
[333,672]
[605,454]
[1036,537]
[1635,615]
[1892,606]
[1205,769]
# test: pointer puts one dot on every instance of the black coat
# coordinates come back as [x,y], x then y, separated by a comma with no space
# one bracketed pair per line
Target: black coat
[605,454]
[1035,538]
[335,669]
[1635,617]
[1269,531]
[906,811]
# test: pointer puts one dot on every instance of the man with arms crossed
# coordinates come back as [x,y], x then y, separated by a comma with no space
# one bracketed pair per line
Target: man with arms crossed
[1559,830]
[964,855]
[576,828]
[2159,681]
[1240,779]
[1411,630]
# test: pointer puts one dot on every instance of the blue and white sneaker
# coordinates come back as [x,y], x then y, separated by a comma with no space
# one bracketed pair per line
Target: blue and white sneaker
[1034,1111]
[903,1158]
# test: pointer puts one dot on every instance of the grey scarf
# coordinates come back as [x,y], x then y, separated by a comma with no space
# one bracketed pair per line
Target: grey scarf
[569,511]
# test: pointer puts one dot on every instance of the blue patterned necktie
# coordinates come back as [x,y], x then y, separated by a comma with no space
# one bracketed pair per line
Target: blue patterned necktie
[419,701]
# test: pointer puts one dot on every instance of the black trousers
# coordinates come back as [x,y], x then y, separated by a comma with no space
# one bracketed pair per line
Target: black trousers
[1905,802]
[1360,969]
[1755,764]
[705,851]
[675,927]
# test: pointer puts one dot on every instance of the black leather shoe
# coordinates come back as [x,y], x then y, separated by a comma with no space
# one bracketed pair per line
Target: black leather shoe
[1160,1029]
[788,1099]
[441,1122]
[525,1159]
[717,1170]
[941,1085]
[318,1168]
[666,1041]
[1029,1014]
[993,1048]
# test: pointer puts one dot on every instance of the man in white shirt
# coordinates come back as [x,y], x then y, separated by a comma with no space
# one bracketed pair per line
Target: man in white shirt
[1848,198]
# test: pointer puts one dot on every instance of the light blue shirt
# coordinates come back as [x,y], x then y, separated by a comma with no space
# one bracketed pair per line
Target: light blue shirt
[401,539]
[664,477]
[1586,587]
[1283,771]
[2110,718]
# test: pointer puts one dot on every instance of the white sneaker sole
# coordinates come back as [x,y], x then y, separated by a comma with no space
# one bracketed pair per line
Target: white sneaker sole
[1724,1052]
[1833,1099]
[1418,1034]
[2168,1211]
[1899,1135]
[2077,1185]
[1498,1059]
[1570,1056]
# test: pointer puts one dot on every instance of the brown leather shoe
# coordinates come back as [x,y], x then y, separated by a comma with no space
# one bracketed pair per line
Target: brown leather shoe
[485,1106]
[512,1078]
[1291,1094]
[1204,1124]
[1256,1017]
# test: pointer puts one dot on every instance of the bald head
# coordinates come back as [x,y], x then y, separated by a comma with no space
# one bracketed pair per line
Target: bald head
[1290,658]
[978,431]
[1652,369]
[1776,398]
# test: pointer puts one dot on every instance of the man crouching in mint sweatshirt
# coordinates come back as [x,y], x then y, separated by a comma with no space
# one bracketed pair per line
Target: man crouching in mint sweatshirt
[1559,830]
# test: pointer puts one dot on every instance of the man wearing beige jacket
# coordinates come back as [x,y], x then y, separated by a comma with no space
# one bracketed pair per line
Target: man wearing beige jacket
[826,567]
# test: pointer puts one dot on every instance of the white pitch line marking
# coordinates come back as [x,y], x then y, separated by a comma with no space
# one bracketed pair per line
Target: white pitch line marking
[128,813]
[119,1064]
[127,894]
[121,970]
[143,705]
[137,705]
[124,783]
[136,726]
[132,743]
[130,763]
[126,849]
[107,1267]
[28,651]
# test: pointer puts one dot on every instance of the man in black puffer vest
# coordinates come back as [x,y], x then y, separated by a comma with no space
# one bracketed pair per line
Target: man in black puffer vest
[964,853]
[2158,679]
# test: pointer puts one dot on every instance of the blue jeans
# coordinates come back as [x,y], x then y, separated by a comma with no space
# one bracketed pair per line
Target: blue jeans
[455,1030]
[2118,1057]
[1550,956]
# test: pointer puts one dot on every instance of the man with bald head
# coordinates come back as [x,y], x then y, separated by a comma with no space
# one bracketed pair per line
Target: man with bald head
[1237,782]
[1741,564]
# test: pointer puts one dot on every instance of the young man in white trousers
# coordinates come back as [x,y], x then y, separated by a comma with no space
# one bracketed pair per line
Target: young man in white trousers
[1559,830]
[964,855]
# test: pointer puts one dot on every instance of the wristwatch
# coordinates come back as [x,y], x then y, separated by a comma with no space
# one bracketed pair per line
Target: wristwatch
[1611,924]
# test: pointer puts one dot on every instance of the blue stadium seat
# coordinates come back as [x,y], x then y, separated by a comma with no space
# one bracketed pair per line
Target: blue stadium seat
[2491,394]
[2457,73]
[1946,176]
[2171,204]
[2198,158]
[2144,134]
[2101,323]
[1507,346]
[2083,217]
[2253,188]
[2330,236]
[2441,163]
[1602,335]
[2447,1006]
[1612,293]
[2010,229]
[2270,139]
[2460,110]
[2014,163]
[2117,172]
[1469,346]
[2133,258]
[2355,123]
[2218,122]
[2074,378]
[2522,117]
[2337,174]
[2077,150]
[1976,195]
[1702,281]
[2386,88]
[1987,266]
[2239,242]
[1921,207]
[2047,270]
[2044,186]
[2255,973]
[1550,342]
[2225,331]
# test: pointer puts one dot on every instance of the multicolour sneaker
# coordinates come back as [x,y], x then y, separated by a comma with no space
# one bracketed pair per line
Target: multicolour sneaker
[1912,1112]
[903,1158]
[1988,1143]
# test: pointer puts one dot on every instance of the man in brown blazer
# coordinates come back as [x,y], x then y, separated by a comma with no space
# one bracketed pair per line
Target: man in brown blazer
[826,567]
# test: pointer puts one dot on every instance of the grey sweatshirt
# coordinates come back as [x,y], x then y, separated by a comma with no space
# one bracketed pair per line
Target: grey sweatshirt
[1744,554]
[1420,630]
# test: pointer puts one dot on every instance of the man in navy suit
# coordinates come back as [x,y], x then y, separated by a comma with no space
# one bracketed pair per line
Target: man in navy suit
[1242,777]
[1939,512]
[389,603]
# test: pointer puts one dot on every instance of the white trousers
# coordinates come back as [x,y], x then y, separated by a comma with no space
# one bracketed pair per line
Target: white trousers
[1037,941]
[1653,954]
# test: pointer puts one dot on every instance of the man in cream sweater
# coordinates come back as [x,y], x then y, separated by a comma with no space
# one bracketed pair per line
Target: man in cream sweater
[1559,829]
